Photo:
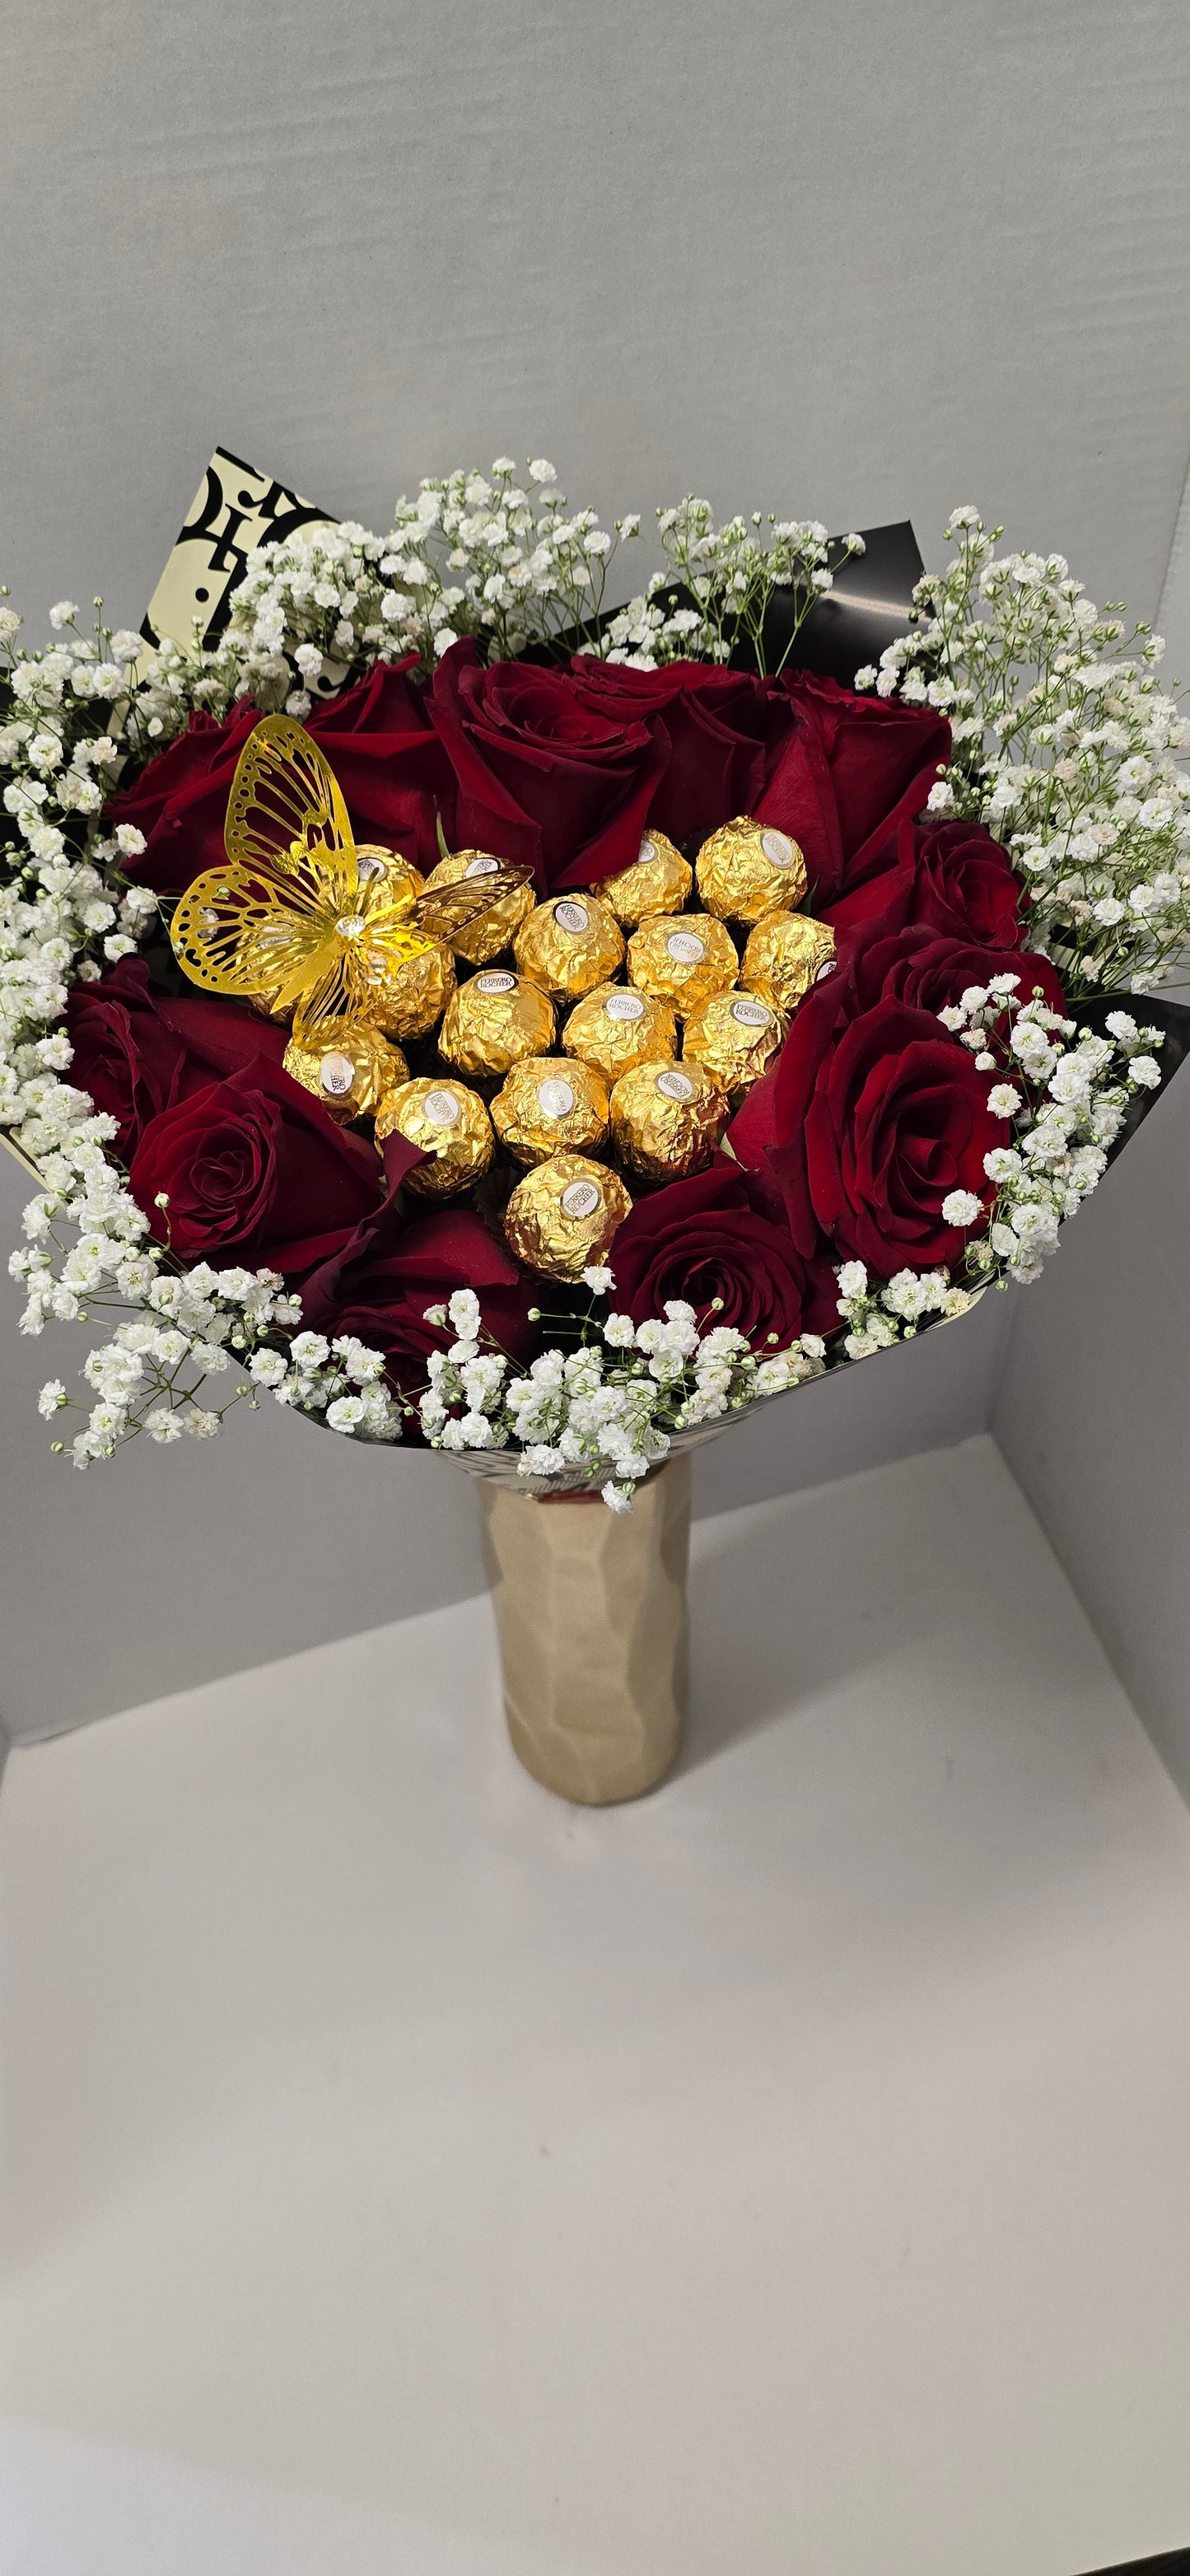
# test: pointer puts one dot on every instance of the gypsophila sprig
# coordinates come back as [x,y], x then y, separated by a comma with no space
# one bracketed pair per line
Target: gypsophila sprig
[729,575]
[1065,746]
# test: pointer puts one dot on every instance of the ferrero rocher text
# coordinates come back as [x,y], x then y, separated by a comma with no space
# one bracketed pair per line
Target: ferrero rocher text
[569,944]
[496,928]
[659,880]
[613,1029]
[667,1118]
[683,961]
[351,1071]
[748,869]
[549,1105]
[561,1218]
[452,1128]
[785,954]
[736,1037]
[495,1019]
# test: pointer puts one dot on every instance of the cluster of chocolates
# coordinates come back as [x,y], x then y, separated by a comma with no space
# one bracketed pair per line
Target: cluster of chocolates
[625,1031]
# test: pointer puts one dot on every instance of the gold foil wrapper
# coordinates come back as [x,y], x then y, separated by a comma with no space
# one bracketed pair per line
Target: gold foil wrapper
[550,1105]
[667,1118]
[400,875]
[351,1070]
[659,880]
[412,999]
[494,1020]
[749,869]
[614,1028]
[785,954]
[563,1215]
[450,1124]
[736,1037]
[684,962]
[483,939]
[569,945]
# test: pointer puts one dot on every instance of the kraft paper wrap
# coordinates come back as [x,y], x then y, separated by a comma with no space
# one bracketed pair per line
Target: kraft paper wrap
[591,1616]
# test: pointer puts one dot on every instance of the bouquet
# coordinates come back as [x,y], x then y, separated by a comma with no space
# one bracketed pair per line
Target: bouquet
[470,1015]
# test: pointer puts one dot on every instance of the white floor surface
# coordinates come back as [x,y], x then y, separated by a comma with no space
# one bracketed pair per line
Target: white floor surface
[409,2175]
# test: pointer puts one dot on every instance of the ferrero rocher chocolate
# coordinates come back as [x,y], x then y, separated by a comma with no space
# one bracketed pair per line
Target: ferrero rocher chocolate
[452,1127]
[551,1106]
[736,1037]
[413,998]
[659,880]
[563,1215]
[748,869]
[667,1118]
[785,954]
[493,1020]
[685,961]
[399,874]
[569,944]
[351,1069]
[613,1029]
[496,928]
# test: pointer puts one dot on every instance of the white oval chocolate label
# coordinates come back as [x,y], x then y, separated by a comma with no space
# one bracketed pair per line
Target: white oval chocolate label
[624,1006]
[581,1198]
[824,971]
[778,849]
[686,946]
[336,1073]
[573,917]
[752,1015]
[482,868]
[675,1085]
[555,1099]
[495,983]
[647,851]
[441,1108]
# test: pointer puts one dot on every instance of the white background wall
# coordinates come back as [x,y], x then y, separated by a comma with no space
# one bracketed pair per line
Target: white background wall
[852,261]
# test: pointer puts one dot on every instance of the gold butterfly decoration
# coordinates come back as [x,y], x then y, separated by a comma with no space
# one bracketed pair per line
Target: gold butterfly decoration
[299,916]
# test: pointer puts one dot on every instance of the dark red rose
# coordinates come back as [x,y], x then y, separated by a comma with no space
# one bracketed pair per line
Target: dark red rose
[705,1240]
[724,729]
[930,970]
[138,1049]
[870,1119]
[543,776]
[377,738]
[256,1172]
[380,1282]
[852,769]
[952,878]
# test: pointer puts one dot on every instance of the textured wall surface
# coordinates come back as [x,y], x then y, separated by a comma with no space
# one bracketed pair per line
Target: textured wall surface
[850,262]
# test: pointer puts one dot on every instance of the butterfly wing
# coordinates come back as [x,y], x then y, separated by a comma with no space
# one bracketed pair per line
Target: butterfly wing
[286,800]
[246,930]
[445,910]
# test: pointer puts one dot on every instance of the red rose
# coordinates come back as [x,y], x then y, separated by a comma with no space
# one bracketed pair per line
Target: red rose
[870,1119]
[704,1240]
[380,1282]
[138,1049]
[848,774]
[930,970]
[256,1172]
[949,877]
[723,727]
[377,738]
[543,776]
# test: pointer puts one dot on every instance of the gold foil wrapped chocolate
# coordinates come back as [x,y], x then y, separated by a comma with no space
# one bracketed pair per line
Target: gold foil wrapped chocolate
[414,995]
[569,944]
[749,869]
[614,1028]
[563,1215]
[667,1118]
[399,875]
[785,954]
[451,1126]
[549,1105]
[685,961]
[351,1069]
[495,1019]
[659,880]
[483,939]
[736,1037]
